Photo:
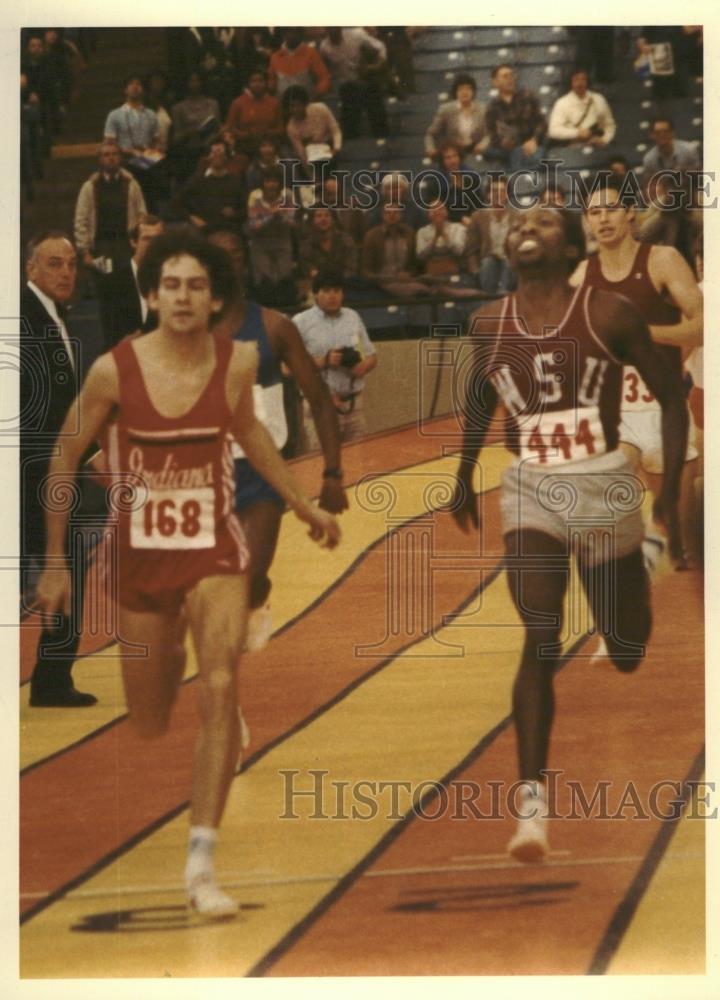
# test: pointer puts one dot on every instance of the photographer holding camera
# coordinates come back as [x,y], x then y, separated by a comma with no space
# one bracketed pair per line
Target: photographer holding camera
[338,342]
[581,115]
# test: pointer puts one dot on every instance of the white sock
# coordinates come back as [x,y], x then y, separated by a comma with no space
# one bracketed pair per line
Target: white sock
[201,850]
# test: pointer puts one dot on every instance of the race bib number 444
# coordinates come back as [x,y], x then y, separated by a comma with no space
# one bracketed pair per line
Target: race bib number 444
[563,436]
[175,519]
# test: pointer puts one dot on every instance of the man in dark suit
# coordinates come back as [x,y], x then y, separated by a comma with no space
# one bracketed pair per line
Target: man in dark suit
[123,310]
[50,377]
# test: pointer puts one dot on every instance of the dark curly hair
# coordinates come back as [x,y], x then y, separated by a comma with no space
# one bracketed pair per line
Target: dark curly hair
[184,241]
[463,79]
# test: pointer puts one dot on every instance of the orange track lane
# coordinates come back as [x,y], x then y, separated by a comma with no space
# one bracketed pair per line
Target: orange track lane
[642,728]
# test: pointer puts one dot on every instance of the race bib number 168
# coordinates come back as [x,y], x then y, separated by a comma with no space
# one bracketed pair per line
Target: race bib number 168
[175,519]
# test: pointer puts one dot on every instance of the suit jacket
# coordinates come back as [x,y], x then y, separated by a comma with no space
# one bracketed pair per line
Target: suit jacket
[444,126]
[373,251]
[479,239]
[120,306]
[48,387]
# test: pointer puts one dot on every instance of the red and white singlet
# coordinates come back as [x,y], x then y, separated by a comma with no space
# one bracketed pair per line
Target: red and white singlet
[560,390]
[174,489]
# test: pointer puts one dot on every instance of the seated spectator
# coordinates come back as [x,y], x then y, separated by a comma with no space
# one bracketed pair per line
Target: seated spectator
[325,247]
[515,124]
[581,115]
[194,120]
[312,129]
[254,115]
[618,165]
[355,59]
[463,191]
[395,189]
[109,204]
[440,247]
[669,221]
[388,256]
[266,159]
[159,99]
[237,163]
[297,64]
[349,219]
[337,341]
[213,195]
[217,56]
[136,130]
[486,236]
[271,230]
[460,121]
[668,152]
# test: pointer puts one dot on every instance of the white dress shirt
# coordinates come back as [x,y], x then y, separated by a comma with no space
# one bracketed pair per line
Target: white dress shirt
[51,308]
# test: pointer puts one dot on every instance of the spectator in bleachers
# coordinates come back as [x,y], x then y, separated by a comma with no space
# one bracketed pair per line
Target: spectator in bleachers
[668,152]
[515,123]
[398,42]
[297,64]
[662,57]
[123,308]
[440,247]
[312,128]
[271,231]
[595,49]
[463,193]
[31,137]
[266,158]
[159,99]
[258,46]
[486,235]
[337,340]
[194,119]
[460,121]
[395,189]
[349,219]
[213,195]
[217,56]
[669,221]
[356,59]
[388,256]
[581,116]
[254,115]
[136,130]
[237,163]
[36,69]
[65,63]
[109,204]
[324,246]
[618,165]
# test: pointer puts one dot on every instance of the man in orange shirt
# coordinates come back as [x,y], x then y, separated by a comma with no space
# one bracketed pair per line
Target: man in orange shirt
[254,114]
[298,64]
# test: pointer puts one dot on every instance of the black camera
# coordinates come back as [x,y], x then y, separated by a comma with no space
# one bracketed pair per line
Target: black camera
[597,130]
[349,357]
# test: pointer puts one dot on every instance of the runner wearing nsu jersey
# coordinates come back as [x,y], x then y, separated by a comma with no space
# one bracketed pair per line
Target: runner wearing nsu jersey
[553,357]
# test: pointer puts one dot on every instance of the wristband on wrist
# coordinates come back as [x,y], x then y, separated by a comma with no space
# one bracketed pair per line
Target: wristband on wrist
[334,473]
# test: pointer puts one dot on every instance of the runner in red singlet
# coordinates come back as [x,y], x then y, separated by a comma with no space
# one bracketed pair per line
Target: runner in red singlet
[661,286]
[167,405]
[553,356]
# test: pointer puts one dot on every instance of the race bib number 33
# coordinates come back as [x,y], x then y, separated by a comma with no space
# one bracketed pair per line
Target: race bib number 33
[175,519]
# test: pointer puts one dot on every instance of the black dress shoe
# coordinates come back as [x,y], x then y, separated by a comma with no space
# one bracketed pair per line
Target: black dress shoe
[66,697]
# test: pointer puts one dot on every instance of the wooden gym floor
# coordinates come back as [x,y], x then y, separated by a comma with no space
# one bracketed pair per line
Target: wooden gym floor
[393,662]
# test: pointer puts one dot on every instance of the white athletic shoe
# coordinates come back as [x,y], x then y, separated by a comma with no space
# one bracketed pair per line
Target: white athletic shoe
[259,629]
[208,899]
[530,842]
[244,731]
[601,651]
